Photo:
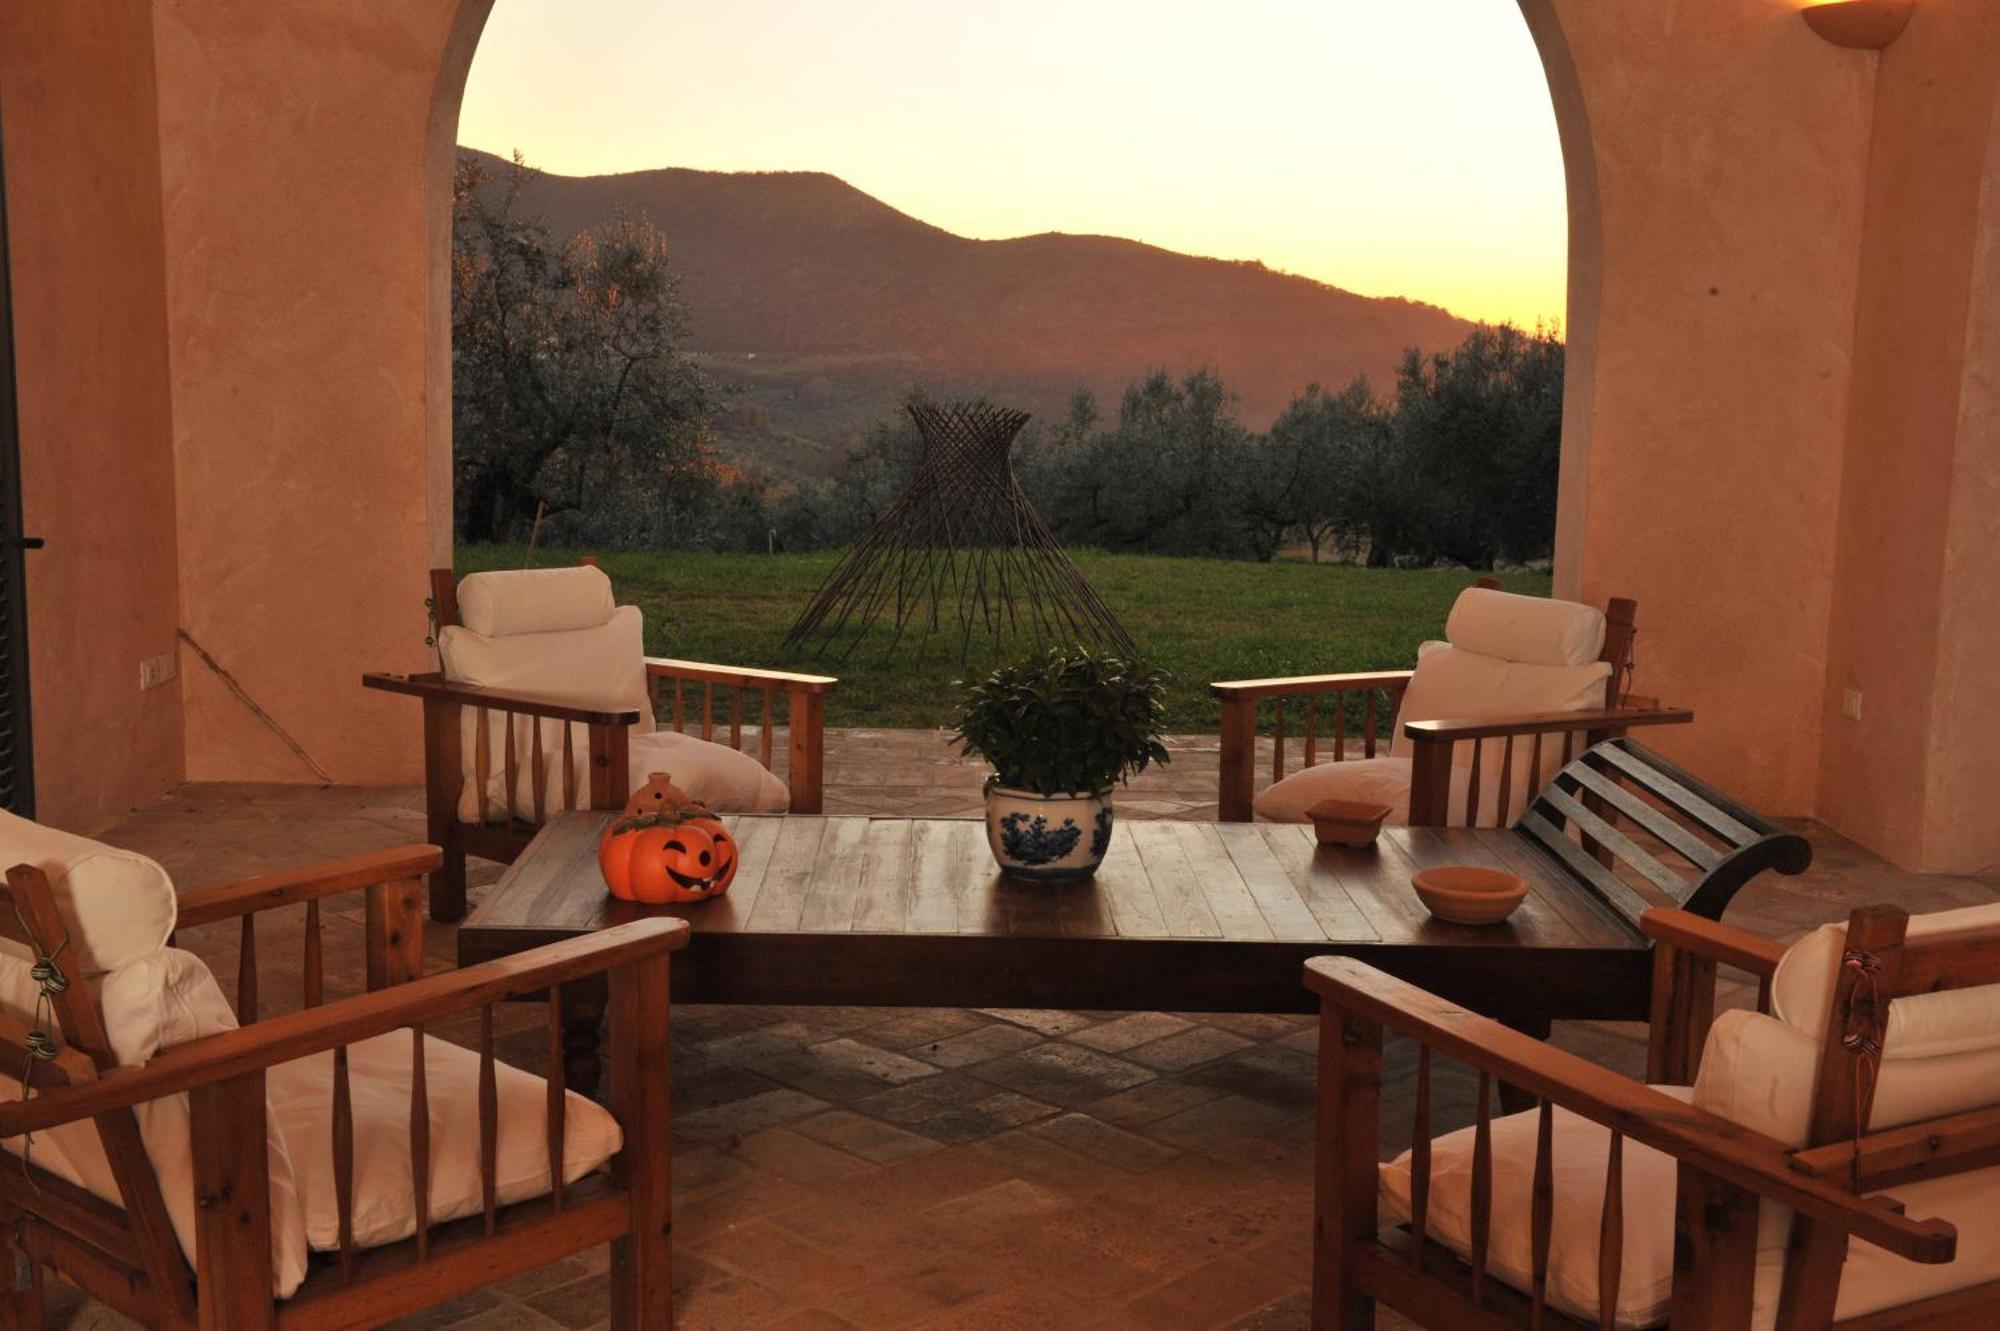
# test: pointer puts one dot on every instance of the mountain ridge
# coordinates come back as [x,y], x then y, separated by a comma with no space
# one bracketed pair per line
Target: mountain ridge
[817,306]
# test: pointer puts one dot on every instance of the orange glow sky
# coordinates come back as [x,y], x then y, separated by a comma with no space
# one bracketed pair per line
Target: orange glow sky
[1405,148]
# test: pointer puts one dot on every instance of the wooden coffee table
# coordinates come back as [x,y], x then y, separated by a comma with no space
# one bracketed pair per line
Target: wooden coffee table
[1183,916]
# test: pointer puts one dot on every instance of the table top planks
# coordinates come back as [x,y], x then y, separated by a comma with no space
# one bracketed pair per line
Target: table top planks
[1182,916]
[1162,880]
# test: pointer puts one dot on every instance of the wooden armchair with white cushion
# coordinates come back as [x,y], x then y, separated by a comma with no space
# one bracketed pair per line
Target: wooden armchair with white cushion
[545,703]
[1835,1162]
[1519,687]
[330,1167]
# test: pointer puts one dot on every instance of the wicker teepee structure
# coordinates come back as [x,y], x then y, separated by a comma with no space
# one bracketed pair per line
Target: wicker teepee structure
[963,533]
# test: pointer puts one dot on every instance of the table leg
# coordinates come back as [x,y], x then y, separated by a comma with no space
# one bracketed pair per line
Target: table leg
[583,1004]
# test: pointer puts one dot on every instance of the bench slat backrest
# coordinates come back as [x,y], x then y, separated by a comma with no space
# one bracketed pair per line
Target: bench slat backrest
[1623,821]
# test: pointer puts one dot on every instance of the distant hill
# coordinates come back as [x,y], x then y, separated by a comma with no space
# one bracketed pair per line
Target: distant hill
[818,306]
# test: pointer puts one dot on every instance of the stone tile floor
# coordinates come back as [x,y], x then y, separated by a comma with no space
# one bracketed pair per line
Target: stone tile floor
[854,1167]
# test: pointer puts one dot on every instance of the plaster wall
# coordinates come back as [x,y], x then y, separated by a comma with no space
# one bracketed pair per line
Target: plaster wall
[83,212]
[1729,147]
[294,138]
[1916,621]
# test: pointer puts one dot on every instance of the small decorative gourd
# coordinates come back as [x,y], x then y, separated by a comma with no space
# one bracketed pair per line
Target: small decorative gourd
[666,849]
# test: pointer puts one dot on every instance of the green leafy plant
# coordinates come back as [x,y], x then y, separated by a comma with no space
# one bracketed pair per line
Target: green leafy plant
[1071,721]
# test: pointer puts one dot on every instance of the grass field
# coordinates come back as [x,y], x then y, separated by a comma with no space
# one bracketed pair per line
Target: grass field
[1199,619]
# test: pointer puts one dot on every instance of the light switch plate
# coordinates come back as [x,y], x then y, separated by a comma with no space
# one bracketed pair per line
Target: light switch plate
[156,670]
[1850,703]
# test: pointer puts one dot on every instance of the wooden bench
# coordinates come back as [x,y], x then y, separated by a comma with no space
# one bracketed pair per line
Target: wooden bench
[1183,916]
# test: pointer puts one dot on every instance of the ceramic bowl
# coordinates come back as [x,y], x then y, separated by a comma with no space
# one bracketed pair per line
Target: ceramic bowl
[1346,822]
[1470,894]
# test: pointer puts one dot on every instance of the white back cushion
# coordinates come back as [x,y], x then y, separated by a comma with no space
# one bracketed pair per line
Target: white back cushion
[1759,1072]
[602,667]
[534,600]
[151,1003]
[1920,1026]
[1533,630]
[118,905]
[1451,683]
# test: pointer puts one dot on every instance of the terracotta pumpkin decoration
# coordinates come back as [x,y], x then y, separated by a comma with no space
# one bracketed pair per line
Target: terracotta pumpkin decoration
[666,849]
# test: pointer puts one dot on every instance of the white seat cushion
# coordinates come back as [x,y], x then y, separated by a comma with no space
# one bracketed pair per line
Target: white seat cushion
[1581,1152]
[1531,629]
[155,1002]
[1387,781]
[535,600]
[713,774]
[1872,1279]
[119,906]
[301,1095]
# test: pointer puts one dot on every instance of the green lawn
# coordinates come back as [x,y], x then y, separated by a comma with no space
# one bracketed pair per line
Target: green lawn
[1199,619]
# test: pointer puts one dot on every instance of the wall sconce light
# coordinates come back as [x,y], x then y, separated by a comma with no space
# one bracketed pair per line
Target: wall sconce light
[1863,25]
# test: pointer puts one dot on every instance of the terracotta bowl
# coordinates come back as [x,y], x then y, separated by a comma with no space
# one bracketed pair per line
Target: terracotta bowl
[1346,822]
[1470,894]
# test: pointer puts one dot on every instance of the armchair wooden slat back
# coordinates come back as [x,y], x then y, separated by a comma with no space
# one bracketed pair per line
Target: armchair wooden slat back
[506,825]
[99,1233]
[1329,704]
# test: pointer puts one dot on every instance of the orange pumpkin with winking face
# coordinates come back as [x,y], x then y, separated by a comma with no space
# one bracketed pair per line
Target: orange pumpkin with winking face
[670,853]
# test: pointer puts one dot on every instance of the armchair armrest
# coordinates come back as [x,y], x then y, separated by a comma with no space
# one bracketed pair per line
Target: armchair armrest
[742,677]
[1696,1138]
[1432,741]
[1752,953]
[293,885]
[1237,778]
[1546,723]
[1230,689]
[1687,950]
[806,697]
[232,1054]
[436,688]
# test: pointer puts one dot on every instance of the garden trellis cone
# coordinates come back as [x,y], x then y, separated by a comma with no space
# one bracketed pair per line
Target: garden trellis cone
[962,532]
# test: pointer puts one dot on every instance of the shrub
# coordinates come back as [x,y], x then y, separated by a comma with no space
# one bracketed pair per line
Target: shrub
[1069,722]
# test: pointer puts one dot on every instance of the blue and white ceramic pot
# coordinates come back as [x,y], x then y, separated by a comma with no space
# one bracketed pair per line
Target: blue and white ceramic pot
[1047,838]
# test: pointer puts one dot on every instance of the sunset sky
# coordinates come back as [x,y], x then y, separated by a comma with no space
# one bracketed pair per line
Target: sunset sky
[1400,149]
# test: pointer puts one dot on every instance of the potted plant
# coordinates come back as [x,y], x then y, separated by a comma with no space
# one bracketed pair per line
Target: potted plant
[1061,730]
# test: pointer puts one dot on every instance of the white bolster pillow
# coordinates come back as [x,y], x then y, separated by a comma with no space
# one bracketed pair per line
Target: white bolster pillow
[535,600]
[1531,629]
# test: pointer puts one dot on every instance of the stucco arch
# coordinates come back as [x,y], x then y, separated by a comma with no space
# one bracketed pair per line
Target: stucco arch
[1580,317]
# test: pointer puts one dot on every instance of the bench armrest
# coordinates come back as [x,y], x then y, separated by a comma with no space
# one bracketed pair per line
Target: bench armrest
[293,885]
[1232,689]
[436,688]
[742,677]
[231,1054]
[1696,1138]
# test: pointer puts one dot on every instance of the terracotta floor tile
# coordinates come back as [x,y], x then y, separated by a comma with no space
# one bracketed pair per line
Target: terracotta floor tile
[869,1138]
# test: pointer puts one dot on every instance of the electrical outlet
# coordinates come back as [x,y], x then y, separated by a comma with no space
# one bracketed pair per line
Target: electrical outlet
[1850,703]
[156,670]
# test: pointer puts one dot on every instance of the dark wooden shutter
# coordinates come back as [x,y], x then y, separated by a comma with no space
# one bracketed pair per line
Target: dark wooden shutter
[17,775]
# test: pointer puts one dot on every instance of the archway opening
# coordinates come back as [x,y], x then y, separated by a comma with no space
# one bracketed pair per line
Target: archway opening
[1145,232]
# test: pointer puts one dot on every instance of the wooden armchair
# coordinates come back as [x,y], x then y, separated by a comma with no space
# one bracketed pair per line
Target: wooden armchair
[205,1219]
[1440,784]
[586,743]
[1812,1177]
